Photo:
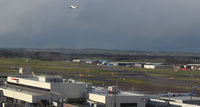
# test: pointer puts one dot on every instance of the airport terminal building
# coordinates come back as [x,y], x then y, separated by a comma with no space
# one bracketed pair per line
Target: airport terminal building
[36,90]
[41,91]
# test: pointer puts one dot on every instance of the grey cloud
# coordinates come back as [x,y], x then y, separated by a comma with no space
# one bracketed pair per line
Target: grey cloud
[154,25]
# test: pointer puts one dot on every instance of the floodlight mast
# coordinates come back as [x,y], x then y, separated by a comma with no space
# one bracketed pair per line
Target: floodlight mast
[116,89]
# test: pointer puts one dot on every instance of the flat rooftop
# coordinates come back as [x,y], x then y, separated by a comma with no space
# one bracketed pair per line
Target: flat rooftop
[53,79]
[27,94]
[26,77]
[182,98]
[30,91]
[104,92]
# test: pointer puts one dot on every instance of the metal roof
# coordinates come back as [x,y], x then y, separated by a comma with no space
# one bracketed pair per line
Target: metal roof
[182,98]
[104,92]
[25,90]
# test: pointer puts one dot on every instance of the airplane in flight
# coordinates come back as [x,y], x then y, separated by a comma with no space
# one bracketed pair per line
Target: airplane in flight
[194,91]
[75,7]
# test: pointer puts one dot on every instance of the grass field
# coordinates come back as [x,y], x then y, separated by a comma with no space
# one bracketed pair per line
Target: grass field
[140,79]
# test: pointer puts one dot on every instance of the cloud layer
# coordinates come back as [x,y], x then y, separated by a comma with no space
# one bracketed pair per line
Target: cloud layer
[152,25]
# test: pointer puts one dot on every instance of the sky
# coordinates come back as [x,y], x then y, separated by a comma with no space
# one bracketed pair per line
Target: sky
[148,25]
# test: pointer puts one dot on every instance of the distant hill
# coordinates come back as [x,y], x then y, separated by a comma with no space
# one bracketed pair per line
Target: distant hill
[111,55]
[100,51]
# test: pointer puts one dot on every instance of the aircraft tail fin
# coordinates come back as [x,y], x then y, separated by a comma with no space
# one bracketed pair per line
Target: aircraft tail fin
[194,90]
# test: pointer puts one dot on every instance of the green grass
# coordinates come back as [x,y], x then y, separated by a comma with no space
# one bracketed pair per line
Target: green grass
[92,81]
[129,80]
[161,71]
[82,67]
[158,74]
[5,70]
[69,68]
[55,66]
[4,66]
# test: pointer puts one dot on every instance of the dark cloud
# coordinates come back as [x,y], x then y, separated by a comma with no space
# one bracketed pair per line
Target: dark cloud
[153,25]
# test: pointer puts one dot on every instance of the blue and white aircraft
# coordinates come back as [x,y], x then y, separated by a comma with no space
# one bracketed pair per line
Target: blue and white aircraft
[192,93]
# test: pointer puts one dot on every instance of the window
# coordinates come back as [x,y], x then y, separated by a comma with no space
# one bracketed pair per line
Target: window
[128,105]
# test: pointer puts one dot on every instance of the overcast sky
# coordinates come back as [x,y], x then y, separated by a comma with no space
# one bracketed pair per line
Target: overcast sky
[150,25]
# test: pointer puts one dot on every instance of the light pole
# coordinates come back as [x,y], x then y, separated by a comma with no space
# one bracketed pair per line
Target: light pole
[191,86]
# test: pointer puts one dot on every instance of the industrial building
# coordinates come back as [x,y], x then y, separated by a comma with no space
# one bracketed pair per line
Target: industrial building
[149,66]
[146,65]
[34,91]
[156,66]
[77,60]
[126,64]
[193,67]
[101,97]
[37,90]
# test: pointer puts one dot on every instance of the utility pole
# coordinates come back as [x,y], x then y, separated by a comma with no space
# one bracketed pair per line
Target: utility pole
[116,89]
[191,86]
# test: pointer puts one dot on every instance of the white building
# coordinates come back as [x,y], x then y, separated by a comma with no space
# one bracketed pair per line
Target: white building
[33,90]
[77,60]
[182,101]
[103,98]
[149,66]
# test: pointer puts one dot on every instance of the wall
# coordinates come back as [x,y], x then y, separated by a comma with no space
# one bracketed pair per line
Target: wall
[28,82]
[140,100]
[71,90]
[149,66]
[97,98]
[17,95]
